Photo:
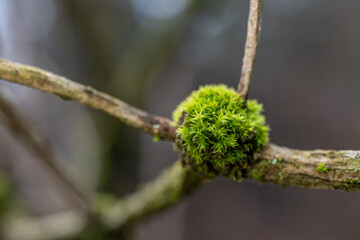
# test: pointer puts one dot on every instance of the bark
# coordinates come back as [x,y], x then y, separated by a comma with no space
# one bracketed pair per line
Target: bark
[68,90]
[319,169]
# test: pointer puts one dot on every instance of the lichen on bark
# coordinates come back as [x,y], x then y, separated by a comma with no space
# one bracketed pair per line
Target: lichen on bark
[301,168]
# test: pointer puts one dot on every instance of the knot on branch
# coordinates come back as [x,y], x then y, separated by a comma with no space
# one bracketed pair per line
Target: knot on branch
[216,133]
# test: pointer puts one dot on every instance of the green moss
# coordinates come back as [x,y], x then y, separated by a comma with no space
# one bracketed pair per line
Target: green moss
[216,129]
[257,175]
[353,163]
[235,174]
[321,168]
[332,155]
[354,180]
[281,175]
[156,138]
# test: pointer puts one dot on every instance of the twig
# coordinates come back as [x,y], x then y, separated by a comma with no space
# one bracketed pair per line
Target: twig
[17,125]
[252,42]
[69,90]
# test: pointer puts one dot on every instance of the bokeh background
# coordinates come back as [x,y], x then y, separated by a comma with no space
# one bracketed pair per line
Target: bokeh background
[152,54]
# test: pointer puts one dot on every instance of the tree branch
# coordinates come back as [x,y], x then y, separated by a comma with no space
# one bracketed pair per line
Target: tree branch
[325,169]
[17,125]
[319,169]
[252,42]
[69,90]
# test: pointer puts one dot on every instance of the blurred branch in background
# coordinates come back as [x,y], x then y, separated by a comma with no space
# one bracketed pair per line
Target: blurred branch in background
[124,50]
[142,59]
[63,225]
[114,215]
[17,125]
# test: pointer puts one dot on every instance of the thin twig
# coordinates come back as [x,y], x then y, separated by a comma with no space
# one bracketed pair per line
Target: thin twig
[252,42]
[48,82]
[17,125]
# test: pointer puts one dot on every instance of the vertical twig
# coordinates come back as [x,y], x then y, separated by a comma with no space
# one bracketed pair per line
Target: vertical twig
[252,42]
[16,124]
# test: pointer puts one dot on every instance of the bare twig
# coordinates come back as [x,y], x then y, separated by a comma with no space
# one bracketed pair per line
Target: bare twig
[66,89]
[17,125]
[252,42]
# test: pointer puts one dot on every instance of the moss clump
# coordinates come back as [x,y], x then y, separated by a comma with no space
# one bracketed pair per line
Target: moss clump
[216,129]
[321,168]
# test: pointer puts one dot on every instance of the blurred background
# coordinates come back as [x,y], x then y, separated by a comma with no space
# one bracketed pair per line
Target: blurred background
[152,54]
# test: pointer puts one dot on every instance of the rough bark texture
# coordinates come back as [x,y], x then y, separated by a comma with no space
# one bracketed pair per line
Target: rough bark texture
[69,90]
[319,169]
